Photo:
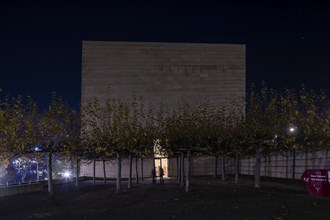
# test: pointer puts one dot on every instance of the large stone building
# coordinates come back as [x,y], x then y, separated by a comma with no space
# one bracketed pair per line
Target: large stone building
[162,72]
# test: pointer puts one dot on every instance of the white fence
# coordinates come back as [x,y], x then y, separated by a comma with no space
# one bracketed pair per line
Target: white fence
[86,168]
[274,165]
[281,165]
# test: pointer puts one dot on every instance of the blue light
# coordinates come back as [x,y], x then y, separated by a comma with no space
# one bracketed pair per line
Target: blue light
[37,148]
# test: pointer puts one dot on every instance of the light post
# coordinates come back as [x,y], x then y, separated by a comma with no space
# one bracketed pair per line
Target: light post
[37,167]
[36,149]
[292,130]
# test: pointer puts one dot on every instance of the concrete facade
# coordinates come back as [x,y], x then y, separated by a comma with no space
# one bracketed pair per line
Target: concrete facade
[162,73]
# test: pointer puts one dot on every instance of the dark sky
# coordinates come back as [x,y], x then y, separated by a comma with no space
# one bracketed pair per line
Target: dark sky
[40,41]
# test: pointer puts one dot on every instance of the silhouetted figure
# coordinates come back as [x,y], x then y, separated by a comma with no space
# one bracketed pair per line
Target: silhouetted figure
[161,174]
[153,173]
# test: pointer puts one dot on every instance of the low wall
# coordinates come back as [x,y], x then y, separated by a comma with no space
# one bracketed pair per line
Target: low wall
[19,189]
[274,165]
[280,164]
[86,168]
[202,166]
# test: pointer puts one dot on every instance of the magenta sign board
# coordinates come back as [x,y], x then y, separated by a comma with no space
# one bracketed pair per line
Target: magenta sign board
[317,182]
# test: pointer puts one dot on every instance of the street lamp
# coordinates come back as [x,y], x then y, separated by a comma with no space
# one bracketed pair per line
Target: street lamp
[37,168]
[37,149]
[66,174]
[292,130]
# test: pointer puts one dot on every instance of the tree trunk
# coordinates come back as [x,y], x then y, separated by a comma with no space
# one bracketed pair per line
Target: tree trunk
[287,165]
[215,167]
[77,172]
[293,164]
[223,167]
[104,173]
[23,176]
[257,170]
[118,181]
[265,166]
[188,170]
[178,168]
[94,163]
[49,174]
[142,170]
[269,170]
[327,158]
[154,170]
[136,171]
[154,163]
[306,159]
[182,169]
[37,170]
[276,174]
[130,171]
[236,168]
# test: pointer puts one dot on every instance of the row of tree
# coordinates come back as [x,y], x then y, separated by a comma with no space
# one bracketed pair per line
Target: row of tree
[263,122]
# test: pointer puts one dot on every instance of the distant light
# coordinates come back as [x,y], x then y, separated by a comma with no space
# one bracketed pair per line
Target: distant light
[66,174]
[292,129]
[36,149]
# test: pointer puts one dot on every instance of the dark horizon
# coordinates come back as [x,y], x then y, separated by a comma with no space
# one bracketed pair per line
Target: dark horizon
[40,46]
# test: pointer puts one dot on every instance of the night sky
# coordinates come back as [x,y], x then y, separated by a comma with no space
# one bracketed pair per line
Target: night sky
[40,41]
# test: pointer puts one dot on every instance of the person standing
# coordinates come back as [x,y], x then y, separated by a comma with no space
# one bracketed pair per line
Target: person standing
[153,173]
[161,174]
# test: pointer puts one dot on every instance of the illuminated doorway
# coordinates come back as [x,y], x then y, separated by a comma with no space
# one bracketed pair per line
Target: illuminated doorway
[160,158]
[163,163]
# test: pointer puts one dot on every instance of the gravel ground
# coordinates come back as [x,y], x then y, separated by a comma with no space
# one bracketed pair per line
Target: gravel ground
[208,199]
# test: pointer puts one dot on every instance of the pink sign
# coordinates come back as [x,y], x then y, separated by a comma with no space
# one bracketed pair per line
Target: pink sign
[317,182]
